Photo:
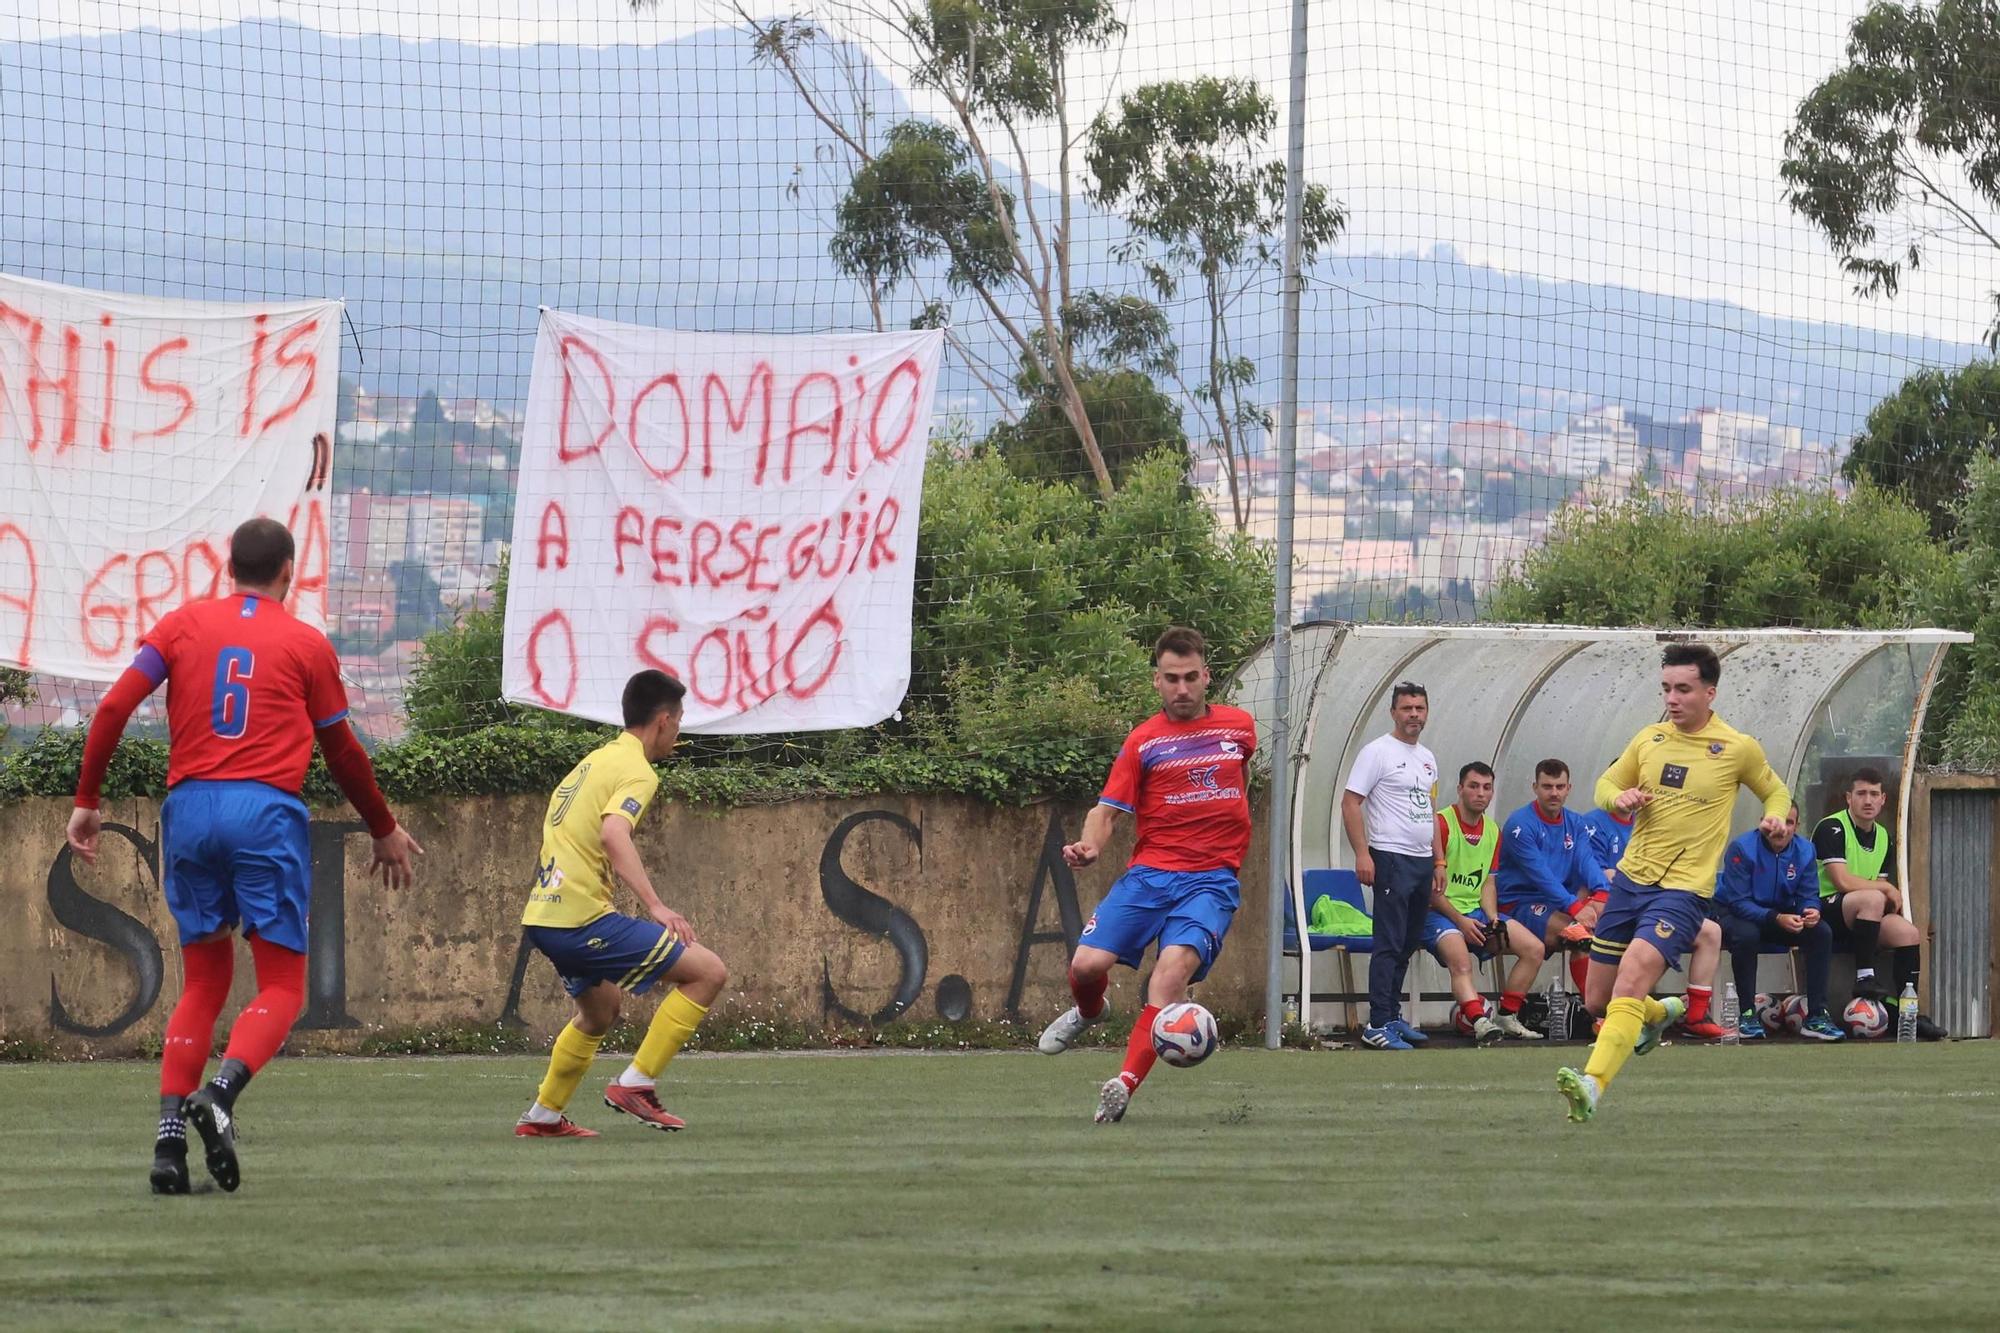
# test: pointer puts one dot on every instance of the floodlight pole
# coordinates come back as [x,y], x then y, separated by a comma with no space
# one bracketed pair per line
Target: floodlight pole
[1279,743]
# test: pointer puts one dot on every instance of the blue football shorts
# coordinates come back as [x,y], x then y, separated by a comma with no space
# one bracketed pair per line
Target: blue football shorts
[236,853]
[1191,907]
[1437,925]
[631,954]
[1667,919]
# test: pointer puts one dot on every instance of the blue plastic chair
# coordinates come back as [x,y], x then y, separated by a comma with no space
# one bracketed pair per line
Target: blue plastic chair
[1342,886]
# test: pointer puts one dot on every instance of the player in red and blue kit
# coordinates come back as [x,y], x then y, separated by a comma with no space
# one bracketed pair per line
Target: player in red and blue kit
[1185,773]
[1549,878]
[249,690]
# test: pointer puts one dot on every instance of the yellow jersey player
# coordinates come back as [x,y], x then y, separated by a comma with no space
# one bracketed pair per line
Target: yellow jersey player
[600,954]
[1678,780]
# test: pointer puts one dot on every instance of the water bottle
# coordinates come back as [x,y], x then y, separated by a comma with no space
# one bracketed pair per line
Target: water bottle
[1732,1016]
[1906,1013]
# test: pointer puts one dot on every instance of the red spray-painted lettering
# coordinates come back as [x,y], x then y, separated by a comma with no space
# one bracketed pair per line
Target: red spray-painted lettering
[131,590]
[47,404]
[760,557]
[833,418]
[752,659]
[20,584]
[552,654]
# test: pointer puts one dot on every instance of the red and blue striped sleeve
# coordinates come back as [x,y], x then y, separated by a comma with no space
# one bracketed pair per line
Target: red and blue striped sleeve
[1121,789]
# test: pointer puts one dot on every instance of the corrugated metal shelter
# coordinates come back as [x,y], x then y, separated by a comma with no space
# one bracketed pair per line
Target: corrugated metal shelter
[1955,885]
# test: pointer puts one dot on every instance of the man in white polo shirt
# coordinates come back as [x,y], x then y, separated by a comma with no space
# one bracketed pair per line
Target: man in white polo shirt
[1389,812]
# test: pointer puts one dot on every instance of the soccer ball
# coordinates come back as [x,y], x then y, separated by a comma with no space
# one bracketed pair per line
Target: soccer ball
[1866,1018]
[1795,1013]
[1770,1012]
[1184,1035]
[1461,1023]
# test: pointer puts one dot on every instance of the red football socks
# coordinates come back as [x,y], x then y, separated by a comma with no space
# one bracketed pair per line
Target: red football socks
[1089,992]
[1510,1001]
[281,995]
[1698,998]
[1474,1007]
[1139,1054]
[206,971]
[1579,968]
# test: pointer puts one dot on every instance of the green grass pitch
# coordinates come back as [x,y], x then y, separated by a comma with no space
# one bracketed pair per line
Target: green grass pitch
[1783,1187]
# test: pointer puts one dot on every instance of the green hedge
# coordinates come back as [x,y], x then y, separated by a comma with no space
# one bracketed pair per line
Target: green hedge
[513,760]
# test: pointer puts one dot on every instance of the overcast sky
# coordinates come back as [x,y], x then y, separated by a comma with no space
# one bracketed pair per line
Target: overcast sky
[1633,142]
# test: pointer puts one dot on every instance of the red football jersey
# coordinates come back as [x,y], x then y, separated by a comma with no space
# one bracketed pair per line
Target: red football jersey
[247,684]
[1189,784]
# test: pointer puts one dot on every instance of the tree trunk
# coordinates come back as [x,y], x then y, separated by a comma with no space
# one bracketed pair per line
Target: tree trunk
[1239,503]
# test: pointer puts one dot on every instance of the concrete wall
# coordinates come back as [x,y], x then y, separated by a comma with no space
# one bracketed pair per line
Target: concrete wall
[828,911]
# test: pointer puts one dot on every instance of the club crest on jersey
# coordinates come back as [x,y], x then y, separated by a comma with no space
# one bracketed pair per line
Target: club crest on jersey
[1090,926]
[1791,872]
[1569,843]
[1715,747]
[1664,929]
[1231,748]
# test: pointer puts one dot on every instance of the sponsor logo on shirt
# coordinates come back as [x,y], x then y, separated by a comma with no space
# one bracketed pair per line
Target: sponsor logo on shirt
[630,805]
[1202,794]
[1673,775]
[1204,777]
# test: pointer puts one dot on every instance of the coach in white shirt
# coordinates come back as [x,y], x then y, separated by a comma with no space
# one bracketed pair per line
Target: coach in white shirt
[1389,812]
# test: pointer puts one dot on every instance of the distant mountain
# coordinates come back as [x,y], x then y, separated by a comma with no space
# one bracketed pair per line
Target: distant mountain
[447,190]
[1462,341]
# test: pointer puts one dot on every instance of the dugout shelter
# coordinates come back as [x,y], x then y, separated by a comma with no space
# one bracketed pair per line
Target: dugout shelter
[1822,702]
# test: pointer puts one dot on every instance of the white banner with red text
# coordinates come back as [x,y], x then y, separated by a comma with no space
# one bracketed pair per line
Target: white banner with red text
[135,435]
[738,510]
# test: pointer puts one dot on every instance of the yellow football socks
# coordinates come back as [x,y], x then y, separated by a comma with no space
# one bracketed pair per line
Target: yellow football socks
[1656,1013]
[568,1062]
[1622,1021]
[673,1023]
